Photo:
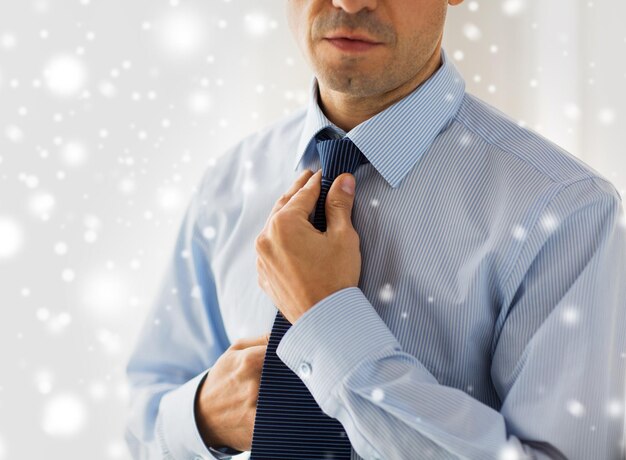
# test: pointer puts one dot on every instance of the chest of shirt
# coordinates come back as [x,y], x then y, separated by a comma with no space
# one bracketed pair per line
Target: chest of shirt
[435,252]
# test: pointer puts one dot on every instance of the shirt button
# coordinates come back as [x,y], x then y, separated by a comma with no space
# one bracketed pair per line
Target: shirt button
[305,370]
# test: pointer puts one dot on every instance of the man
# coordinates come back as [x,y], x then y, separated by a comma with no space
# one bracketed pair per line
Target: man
[465,300]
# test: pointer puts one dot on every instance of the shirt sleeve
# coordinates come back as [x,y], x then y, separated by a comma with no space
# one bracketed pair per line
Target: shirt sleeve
[558,353]
[181,338]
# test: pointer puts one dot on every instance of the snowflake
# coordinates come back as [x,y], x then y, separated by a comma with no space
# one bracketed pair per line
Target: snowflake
[65,75]
[575,408]
[68,275]
[472,32]
[549,222]
[42,314]
[41,205]
[196,292]
[169,198]
[110,342]
[519,233]
[570,316]
[14,134]
[513,7]
[58,324]
[473,6]
[509,453]
[572,111]
[8,41]
[44,381]
[107,89]
[11,237]
[181,33]
[208,232]
[606,116]
[64,415]
[615,408]
[378,394]
[98,390]
[199,102]
[386,293]
[106,294]
[258,24]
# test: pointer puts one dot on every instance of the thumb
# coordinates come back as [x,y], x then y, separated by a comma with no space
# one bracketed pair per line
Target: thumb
[339,201]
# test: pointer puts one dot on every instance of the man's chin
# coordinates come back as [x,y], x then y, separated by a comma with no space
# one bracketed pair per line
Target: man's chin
[357,84]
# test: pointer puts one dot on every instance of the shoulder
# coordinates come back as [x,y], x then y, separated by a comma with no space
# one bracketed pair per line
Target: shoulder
[227,169]
[521,144]
[534,176]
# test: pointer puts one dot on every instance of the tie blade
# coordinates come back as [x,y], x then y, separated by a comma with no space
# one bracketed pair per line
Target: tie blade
[289,423]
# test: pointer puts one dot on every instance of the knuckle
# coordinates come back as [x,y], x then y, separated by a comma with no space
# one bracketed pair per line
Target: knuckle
[349,238]
[278,224]
[252,392]
[347,233]
[260,243]
[280,218]
[248,359]
[336,203]
[284,198]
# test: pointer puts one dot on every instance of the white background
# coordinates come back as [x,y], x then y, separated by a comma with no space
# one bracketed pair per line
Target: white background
[109,112]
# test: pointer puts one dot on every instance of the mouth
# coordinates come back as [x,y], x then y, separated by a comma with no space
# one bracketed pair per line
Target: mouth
[352,42]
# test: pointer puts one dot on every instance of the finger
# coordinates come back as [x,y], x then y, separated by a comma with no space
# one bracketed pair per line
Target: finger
[285,197]
[252,360]
[248,342]
[339,203]
[305,199]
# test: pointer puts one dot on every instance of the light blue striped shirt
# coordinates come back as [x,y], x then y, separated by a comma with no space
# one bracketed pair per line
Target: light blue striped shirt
[489,320]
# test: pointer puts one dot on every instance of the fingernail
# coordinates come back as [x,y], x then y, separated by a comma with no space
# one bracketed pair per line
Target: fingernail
[347,185]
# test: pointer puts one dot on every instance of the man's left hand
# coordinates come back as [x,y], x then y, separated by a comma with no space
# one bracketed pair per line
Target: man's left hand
[299,265]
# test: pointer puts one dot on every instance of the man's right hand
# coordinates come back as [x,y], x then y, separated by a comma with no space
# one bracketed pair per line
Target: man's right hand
[226,403]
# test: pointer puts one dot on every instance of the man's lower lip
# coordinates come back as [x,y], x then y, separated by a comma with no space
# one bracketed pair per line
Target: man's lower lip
[346,44]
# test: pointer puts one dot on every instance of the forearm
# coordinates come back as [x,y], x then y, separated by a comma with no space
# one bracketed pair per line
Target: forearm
[388,402]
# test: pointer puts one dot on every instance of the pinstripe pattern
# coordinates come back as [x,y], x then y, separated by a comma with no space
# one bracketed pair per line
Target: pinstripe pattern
[289,423]
[489,318]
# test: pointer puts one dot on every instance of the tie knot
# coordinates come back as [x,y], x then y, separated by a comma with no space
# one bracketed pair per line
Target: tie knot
[338,156]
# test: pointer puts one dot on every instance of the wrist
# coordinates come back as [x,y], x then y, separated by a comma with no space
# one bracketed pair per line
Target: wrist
[202,419]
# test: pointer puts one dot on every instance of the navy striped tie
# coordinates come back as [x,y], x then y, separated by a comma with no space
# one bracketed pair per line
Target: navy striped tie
[289,424]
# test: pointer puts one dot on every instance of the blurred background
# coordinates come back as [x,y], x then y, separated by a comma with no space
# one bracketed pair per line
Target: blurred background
[111,110]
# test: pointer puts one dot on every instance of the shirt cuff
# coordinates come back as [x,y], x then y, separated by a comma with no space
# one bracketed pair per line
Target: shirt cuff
[331,339]
[224,453]
[178,422]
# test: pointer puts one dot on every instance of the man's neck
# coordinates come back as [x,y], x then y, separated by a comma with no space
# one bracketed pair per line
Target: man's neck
[347,111]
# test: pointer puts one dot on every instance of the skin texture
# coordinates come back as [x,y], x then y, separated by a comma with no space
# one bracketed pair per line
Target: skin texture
[226,403]
[354,85]
[289,248]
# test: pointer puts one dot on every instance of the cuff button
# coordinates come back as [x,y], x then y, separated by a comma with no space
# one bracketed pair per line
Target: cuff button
[305,370]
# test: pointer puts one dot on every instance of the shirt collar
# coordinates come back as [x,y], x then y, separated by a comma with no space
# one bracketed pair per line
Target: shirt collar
[395,139]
